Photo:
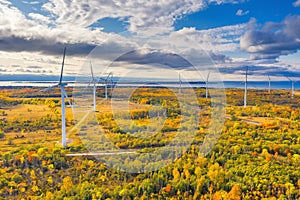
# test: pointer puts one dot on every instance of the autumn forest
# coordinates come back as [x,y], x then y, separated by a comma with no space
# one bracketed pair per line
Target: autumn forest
[257,155]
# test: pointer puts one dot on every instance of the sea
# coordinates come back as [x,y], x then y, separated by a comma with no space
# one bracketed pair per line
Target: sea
[227,84]
[12,81]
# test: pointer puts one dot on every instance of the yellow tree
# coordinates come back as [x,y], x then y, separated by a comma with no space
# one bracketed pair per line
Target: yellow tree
[235,193]
[176,174]
[67,185]
[216,174]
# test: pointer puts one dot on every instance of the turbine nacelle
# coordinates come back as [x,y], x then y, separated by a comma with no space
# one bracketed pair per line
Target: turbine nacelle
[62,84]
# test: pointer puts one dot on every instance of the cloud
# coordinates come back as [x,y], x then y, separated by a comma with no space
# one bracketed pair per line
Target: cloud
[40,18]
[34,67]
[273,39]
[139,14]
[218,2]
[240,12]
[279,70]
[18,33]
[34,34]
[31,2]
[44,45]
[69,21]
[219,39]
[149,57]
[33,70]
[252,69]
[296,3]
[5,2]
[219,58]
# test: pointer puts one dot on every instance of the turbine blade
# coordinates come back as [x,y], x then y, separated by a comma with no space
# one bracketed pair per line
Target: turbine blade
[62,66]
[90,83]
[47,89]
[65,94]
[207,76]
[92,72]
[288,78]
[108,76]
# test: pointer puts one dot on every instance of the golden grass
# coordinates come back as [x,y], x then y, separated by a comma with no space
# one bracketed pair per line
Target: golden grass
[26,112]
[108,107]
[297,93]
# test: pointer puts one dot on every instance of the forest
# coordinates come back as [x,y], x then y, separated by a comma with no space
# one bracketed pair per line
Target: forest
[257,155]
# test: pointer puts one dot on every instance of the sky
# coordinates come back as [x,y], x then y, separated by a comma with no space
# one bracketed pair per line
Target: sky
[152,38]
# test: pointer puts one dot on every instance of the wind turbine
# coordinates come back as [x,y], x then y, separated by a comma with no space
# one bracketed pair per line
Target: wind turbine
[110,75]
[269,84]
[64,95]
[94,81]
[245,94]
[293,86]
[180,83]
[206,85]
[111,82]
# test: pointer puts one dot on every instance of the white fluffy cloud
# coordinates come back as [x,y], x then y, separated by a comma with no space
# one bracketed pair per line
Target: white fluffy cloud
[69,22]
[140,13]
[40,18]
[219,39]
[31,2]
[33,33]
[5,2]
[240,12]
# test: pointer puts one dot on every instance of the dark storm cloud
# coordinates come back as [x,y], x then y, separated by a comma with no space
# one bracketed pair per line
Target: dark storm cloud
[219,58]
[18,44]
[273,39]
[155,58]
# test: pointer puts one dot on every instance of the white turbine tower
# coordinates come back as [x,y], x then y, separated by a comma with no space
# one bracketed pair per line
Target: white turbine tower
[293,86]
[94,82]
[245,94]
[106,80]
[64,95]
[111,82]
[180,83]
[269,84]
[206,85]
